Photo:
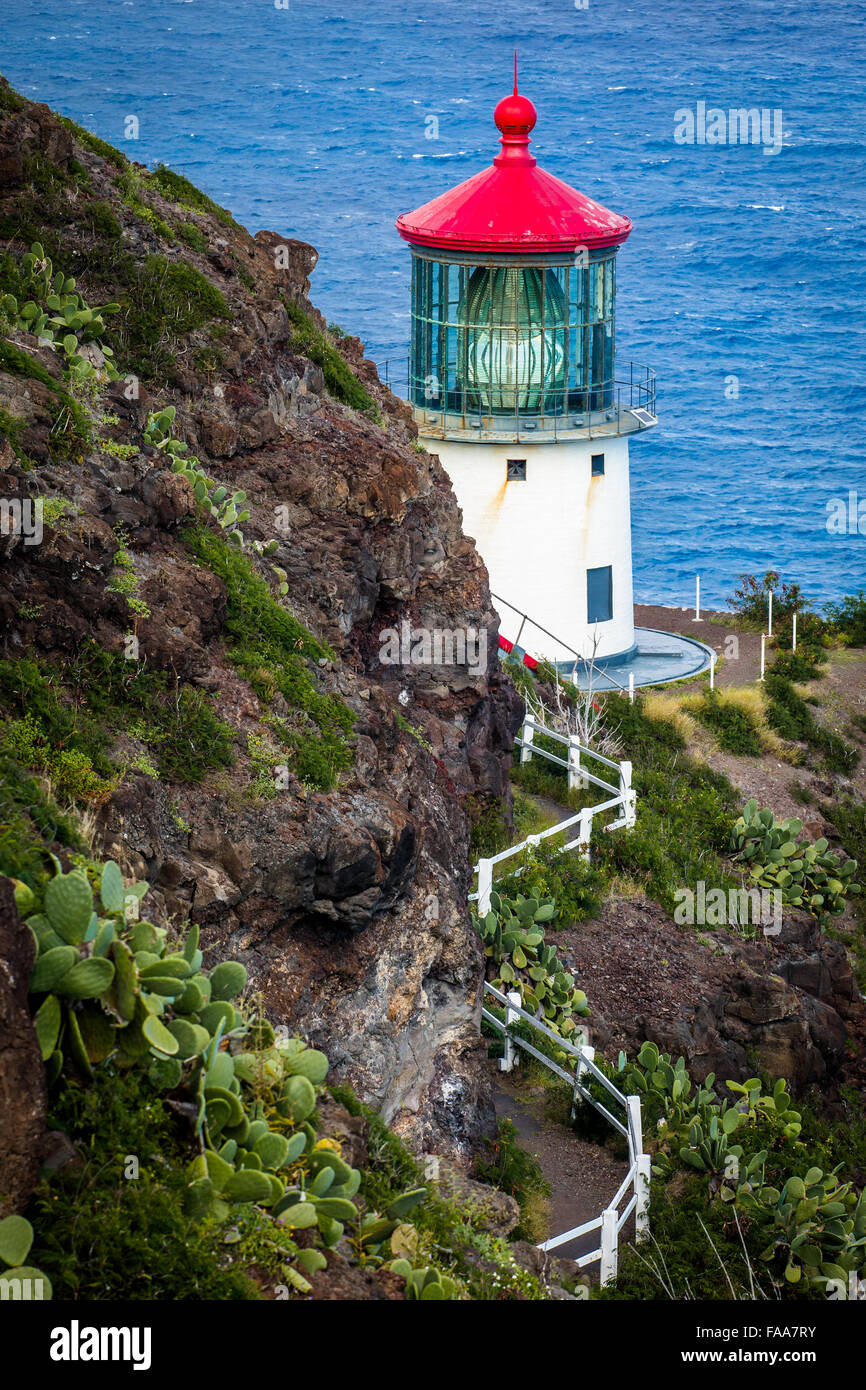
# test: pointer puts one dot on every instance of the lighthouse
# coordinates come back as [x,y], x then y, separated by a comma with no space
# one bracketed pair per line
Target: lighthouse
[514,382]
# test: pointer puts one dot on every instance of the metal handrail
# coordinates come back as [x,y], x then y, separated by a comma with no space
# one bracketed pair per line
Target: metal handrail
[641,391]
[611,1221]
[586,661]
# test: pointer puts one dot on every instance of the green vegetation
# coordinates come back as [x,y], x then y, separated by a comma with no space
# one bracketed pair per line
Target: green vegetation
[543,871]
[212,499]
[95,145]
[684,813]
[312,343]
[780,1223]
[751,598]
[734,730]
[124,579]
[192,234]
[513,937]
[849,618]
[178,189]
[62,727]
[791,717]
[809,876]
[450,1233]
[504,1164]
[849,818]
[268,645]
[126,1008]
[165,302]
[57,315]
[130,186]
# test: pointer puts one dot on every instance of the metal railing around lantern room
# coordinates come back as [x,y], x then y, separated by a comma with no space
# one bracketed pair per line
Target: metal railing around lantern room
[629,406]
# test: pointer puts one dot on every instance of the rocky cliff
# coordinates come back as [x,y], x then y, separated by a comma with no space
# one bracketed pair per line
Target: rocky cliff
[310,808]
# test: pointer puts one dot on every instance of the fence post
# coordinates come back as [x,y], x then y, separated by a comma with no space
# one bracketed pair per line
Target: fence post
[635,1125]
[763,655]
[527,736]
[485,885]
[794,632]
[586,1053]
[584,830]
[631,687]
[511,1056]
[642,1192]
[628,796]
[608,1245]
[770,615]
[576,780]
[697,617]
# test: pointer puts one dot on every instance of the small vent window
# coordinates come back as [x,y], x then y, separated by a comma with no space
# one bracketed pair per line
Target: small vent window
[516,470]
[597,465]
[599,595]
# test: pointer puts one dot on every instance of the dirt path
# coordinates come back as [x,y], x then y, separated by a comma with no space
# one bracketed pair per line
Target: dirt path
[583,1176]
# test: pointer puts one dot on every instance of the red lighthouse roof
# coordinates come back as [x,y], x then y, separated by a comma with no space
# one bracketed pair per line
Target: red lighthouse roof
[514,206]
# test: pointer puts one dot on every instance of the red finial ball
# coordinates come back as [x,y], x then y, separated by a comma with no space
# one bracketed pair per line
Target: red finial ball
[515,116]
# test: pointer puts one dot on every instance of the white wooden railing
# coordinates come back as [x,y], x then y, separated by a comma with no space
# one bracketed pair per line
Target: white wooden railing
[621,796]
[633,1193]
[611,1221]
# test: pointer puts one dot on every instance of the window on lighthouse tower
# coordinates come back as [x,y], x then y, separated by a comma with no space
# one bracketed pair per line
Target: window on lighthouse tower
[599,594]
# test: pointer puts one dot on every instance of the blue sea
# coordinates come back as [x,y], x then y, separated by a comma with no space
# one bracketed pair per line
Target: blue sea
[743,283]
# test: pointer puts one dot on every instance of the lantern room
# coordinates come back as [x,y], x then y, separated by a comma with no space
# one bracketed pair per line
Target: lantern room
[513,303]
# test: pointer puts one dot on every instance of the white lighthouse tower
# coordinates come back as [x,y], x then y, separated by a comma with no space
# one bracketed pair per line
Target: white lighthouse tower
[514,384]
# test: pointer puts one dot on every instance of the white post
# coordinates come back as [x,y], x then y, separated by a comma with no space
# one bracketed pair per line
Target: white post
[794,638]
[642,1192]
[485,885]
[635,1125]
[512,1056]
[697,617]
[628,796]
[631,687]
[608,1245]
[576,780]
[770,616]
[763,655]
[527,736]
[713,674]
[584,830]
[587,1054]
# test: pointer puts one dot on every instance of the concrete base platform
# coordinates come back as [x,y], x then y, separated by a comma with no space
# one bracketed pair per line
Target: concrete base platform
[657,658]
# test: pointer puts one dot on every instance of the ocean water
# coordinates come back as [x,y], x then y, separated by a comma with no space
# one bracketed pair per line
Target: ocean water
[743,283]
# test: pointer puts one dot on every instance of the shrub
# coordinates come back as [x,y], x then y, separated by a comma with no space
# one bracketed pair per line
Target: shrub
[791,717]
[178,189]
[848,618]
[513,936]
[340,380]
[574,883]
[111,991]
[164,304]
[504,1164]
[800,1223]
[809,876]
[683,814]
[734,730]
[272,649]
[751,597]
